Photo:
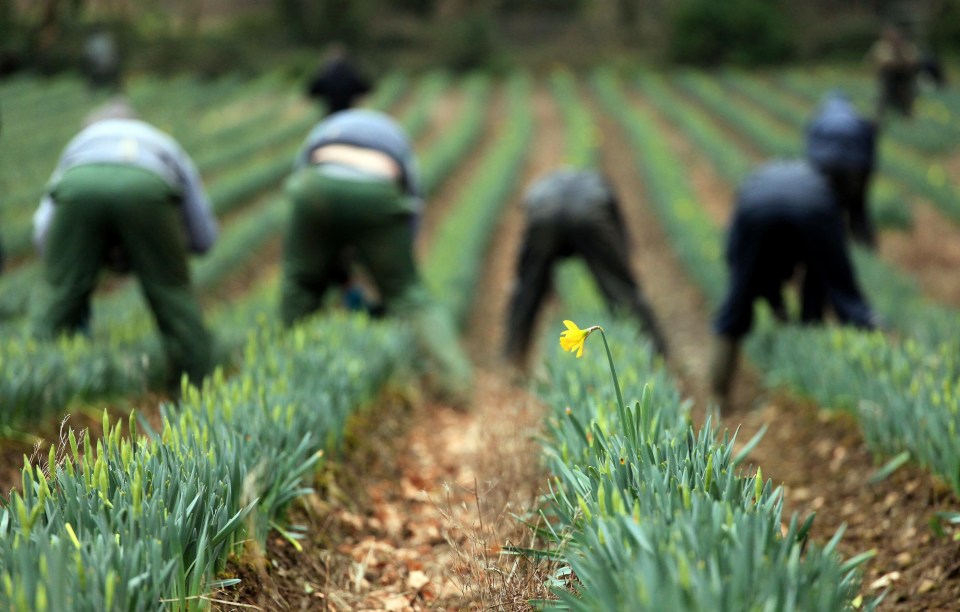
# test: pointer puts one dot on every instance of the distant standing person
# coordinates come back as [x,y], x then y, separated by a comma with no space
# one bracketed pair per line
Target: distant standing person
[842,143]
[355,188]
[897,63]
[125,195]
[339,83]
[788,217]
[573,213]
[102,60]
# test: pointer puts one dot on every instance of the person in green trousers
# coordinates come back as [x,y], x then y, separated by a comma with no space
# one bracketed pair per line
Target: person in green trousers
[125,196]
[355,195]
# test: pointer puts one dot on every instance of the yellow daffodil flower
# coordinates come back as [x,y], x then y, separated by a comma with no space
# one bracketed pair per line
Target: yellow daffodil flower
[572,338]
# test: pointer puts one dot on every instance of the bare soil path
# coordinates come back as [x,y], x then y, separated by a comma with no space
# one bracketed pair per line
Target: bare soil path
[929,252]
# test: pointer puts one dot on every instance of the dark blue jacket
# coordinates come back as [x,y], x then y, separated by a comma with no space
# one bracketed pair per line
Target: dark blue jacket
[786,217]
[839,139]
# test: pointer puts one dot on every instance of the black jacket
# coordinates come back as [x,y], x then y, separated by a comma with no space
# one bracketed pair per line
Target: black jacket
[787,217]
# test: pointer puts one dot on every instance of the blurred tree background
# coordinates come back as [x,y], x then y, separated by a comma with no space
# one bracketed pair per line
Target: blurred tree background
[213,37]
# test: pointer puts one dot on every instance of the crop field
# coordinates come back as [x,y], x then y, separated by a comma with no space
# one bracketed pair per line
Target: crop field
[314,471]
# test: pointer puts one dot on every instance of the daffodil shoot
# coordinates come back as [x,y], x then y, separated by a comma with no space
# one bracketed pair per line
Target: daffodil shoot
[572,338]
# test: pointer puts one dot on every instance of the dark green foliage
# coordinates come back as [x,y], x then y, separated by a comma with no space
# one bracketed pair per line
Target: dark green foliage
[563,7]
[745,32]
[207,56]
[945,29]
[12,38]
[846,39]
[422,8]
[345,21]
[325,21]
[469,42]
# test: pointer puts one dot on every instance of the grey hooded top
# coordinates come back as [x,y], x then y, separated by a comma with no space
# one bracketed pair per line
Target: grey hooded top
[136,143]
[568,192]
[368,129]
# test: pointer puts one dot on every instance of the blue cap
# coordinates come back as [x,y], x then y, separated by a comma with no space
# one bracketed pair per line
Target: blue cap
[838,138]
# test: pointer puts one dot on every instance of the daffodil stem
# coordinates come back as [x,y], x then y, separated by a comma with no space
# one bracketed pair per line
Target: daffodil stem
[613,371]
